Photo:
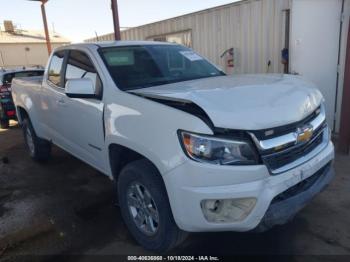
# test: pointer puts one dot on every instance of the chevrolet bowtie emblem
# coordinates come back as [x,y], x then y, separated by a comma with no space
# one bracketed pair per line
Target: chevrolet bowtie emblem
[304,133]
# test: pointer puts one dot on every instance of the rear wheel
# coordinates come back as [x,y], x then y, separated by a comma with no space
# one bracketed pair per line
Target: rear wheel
[39,149]
[145,207]
[4,123]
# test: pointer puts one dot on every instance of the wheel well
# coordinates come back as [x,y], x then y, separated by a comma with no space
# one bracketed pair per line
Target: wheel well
[120,156]
[22,113]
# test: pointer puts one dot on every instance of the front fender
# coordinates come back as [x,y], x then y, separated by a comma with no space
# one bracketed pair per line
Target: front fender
[150,129]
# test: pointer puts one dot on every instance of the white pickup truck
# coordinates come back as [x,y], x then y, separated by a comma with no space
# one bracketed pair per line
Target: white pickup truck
[190,149]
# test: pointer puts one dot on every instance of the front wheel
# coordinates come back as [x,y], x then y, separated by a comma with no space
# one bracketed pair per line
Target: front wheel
[39,149]
[145,207]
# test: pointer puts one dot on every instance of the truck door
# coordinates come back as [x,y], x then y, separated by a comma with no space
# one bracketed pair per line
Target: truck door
[83,117]
[52,100]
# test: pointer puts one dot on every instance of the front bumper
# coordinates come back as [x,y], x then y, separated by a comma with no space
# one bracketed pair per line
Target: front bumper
[190,183]
[286,205]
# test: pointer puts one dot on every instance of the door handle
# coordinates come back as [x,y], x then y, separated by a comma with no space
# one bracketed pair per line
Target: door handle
[61,101]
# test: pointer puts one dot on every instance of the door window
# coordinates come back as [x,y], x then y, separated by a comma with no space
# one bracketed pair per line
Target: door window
[79,65]
[55,68]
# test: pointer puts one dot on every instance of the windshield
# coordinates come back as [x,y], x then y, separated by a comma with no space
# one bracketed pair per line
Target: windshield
[135,67]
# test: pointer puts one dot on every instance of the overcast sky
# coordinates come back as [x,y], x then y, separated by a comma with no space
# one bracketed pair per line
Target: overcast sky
[79,19]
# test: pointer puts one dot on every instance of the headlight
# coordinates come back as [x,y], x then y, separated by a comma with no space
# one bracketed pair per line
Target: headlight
[216,150]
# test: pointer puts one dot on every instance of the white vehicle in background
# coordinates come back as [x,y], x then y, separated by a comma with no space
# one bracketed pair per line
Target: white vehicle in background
[190,149]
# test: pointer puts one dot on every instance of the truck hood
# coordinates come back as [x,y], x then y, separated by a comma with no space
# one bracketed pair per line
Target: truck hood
[245,102]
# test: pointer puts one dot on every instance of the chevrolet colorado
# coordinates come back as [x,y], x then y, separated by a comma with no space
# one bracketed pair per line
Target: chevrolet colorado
[189,148]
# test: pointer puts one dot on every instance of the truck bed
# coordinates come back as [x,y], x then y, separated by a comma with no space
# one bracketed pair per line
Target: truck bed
[26,91]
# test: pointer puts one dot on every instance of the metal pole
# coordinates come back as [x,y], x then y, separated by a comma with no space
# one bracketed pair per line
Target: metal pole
[43,12]
[2,59]
[116,20]
[344,133]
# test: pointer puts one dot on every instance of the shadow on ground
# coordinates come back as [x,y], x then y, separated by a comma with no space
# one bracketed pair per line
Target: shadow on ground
[67,207]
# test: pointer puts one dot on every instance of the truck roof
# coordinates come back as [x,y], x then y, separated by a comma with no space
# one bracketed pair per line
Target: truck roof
[114,43]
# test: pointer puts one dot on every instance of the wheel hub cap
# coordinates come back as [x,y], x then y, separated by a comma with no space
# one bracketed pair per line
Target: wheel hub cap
[143,209]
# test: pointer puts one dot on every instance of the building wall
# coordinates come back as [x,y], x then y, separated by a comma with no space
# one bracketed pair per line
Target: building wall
[12,54]
[255,28]
[315,46]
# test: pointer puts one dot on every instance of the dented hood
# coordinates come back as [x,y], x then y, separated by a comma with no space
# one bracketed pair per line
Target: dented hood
[246,102]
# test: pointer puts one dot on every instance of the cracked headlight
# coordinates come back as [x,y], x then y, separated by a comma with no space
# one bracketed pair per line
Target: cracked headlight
[215,150]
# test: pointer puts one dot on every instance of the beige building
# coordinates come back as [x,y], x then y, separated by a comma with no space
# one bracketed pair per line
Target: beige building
[25,47]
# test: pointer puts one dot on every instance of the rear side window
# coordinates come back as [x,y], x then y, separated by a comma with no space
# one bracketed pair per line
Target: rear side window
[55,68]
[79,65]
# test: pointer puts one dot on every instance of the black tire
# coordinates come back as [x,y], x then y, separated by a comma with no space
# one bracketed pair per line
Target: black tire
[4,123]
[168,235]
[39,149]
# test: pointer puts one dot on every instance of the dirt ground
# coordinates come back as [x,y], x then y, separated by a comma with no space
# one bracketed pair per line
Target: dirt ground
[67,207]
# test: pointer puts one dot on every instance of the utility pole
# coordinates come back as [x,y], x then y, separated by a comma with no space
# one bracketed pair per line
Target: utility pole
[116,20]
[43,13]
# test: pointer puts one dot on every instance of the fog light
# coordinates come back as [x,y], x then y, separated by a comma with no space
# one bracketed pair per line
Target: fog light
[227,210]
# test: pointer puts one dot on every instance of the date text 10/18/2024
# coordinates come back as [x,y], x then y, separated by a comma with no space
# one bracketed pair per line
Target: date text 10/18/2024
[173,258]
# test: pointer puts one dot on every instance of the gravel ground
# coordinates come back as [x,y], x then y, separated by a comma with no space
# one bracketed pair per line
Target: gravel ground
[66,207]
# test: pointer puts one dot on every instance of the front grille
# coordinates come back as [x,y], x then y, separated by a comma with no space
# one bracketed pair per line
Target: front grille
[300,187]
[277,160]
[282,130]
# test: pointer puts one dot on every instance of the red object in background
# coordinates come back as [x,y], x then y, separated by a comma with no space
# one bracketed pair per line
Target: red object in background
[230,63]
[3,89]
[11,113]
[230,56]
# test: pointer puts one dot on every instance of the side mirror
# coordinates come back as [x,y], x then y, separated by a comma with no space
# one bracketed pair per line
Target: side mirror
[80,88]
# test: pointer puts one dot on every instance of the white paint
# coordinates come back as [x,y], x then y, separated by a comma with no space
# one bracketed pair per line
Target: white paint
[315,45]
[81,86]
[246,102]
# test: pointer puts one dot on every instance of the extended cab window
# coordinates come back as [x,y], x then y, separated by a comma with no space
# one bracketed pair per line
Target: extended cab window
[56,67]
[79,65]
